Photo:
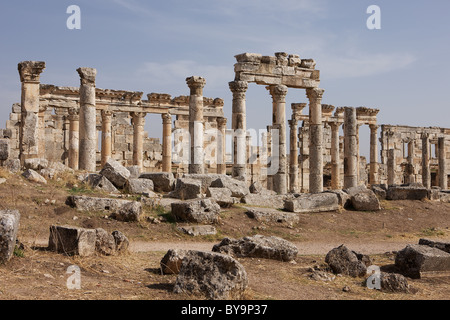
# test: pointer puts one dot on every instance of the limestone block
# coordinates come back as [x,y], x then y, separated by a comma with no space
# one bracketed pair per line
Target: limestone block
[9,226]
[198,230]
[258,247]
[261,200]
[36,164]
[139,186]
[346,262]
[186,189]
[162,181]
[319,202]
[72,240]
[13,165]
[4,149]
[222,196]
[33,176]
[269,215]
[444,246]
[116,173]
[196,211]
[171,262]
[406,193]
[238,188]
[99,182]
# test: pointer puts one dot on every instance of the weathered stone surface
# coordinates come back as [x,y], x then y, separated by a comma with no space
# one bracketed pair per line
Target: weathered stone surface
[135,172]
[187,189]
[162,181]
[258,247]
[434,194]
[72,240]
[318,202]
[393,282]
[196,211]
[4,149]
[116,173]
[99,182]
[205,179]
[444,246]
[198,230]
[13,165]
[212,275]
[416,261]
[238,188]
[122,210]
[139,186]
[319,275]
[36,164]
[268,201]
[346,262]
[365,201]
[222,196]
[9,226]
[345,200]
[269,215]
[445,197]
[171,262]
[406,193]
[257,188]
[380,191]
[105,243]
[121,241]
[33,176]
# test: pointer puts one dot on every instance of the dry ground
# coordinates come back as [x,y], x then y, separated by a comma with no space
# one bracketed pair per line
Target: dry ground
[36,274]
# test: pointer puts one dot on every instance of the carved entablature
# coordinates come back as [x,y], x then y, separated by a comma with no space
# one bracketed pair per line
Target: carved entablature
[366,115]
[283,69]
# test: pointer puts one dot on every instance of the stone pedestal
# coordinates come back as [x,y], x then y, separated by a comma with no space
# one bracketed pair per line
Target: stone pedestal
[29,132]
[196,129]
[221,146]
[138,119]
[239,126]
[74,139]
[167,143]
[316,140]
[106,136]
[88,123]
[350,148]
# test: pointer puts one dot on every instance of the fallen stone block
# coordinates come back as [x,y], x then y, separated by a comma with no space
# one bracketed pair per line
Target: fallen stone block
[344,199]
[116,173]
[222,196]
[380,191]
[4,149]
[257,188]
[12,165]
[416,261]
[162,181]
[128,212]
[310,203]
[99,182]
[196,211]
[121,241]
[365,201]
[267,201]
[36,164]
[9,226]
[139,186]
[135,172]
[434,194]
[346,262]
[171,262]
[105,243]
[269,215]
[444,246]
[406,193]
[212,275]
[199,230]
[33,176]
[187,189]
[72,240]
[205,179]
[258,247]
[238,188]
[394,283]
[444,197]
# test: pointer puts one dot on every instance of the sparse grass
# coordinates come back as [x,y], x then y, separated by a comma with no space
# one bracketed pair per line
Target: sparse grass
[432,232]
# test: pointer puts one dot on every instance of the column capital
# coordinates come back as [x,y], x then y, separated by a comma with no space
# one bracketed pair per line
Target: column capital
[138,118]
[30,71]
[42,109]
[293,124]
[278,92]
[167,118]
[374,127]
[315,94]
[238,86]
[335,125]
[87,76]
[107,114]
[196,84]
[425,135]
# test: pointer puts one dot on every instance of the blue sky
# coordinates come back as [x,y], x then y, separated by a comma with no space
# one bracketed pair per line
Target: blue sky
[153,46]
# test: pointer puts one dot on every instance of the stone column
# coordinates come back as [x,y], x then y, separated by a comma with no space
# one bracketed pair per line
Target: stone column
[41,126]
[167,142]
[443,179]
[30,72]
[279,93]
[316,140]
[196,130]
[350,148]
[293,162]
[335,157]
[138,119]
[221,146]
[88,123]
[426,173]
[106,136]
[411,177]
[391,167]
[239,126]
[373,173]
[74,138]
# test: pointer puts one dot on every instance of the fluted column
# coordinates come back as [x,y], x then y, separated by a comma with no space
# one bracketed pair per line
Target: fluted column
[335,156]
[239,126]
[29,131]
[88,123]
[316,140]
[426,173]
[293,160]
[106,136]
[196,130]
[443,178]
[350,148]
[221,146]
[138,119]
[74,139]
[373,173]
[167,142]
[279,93]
